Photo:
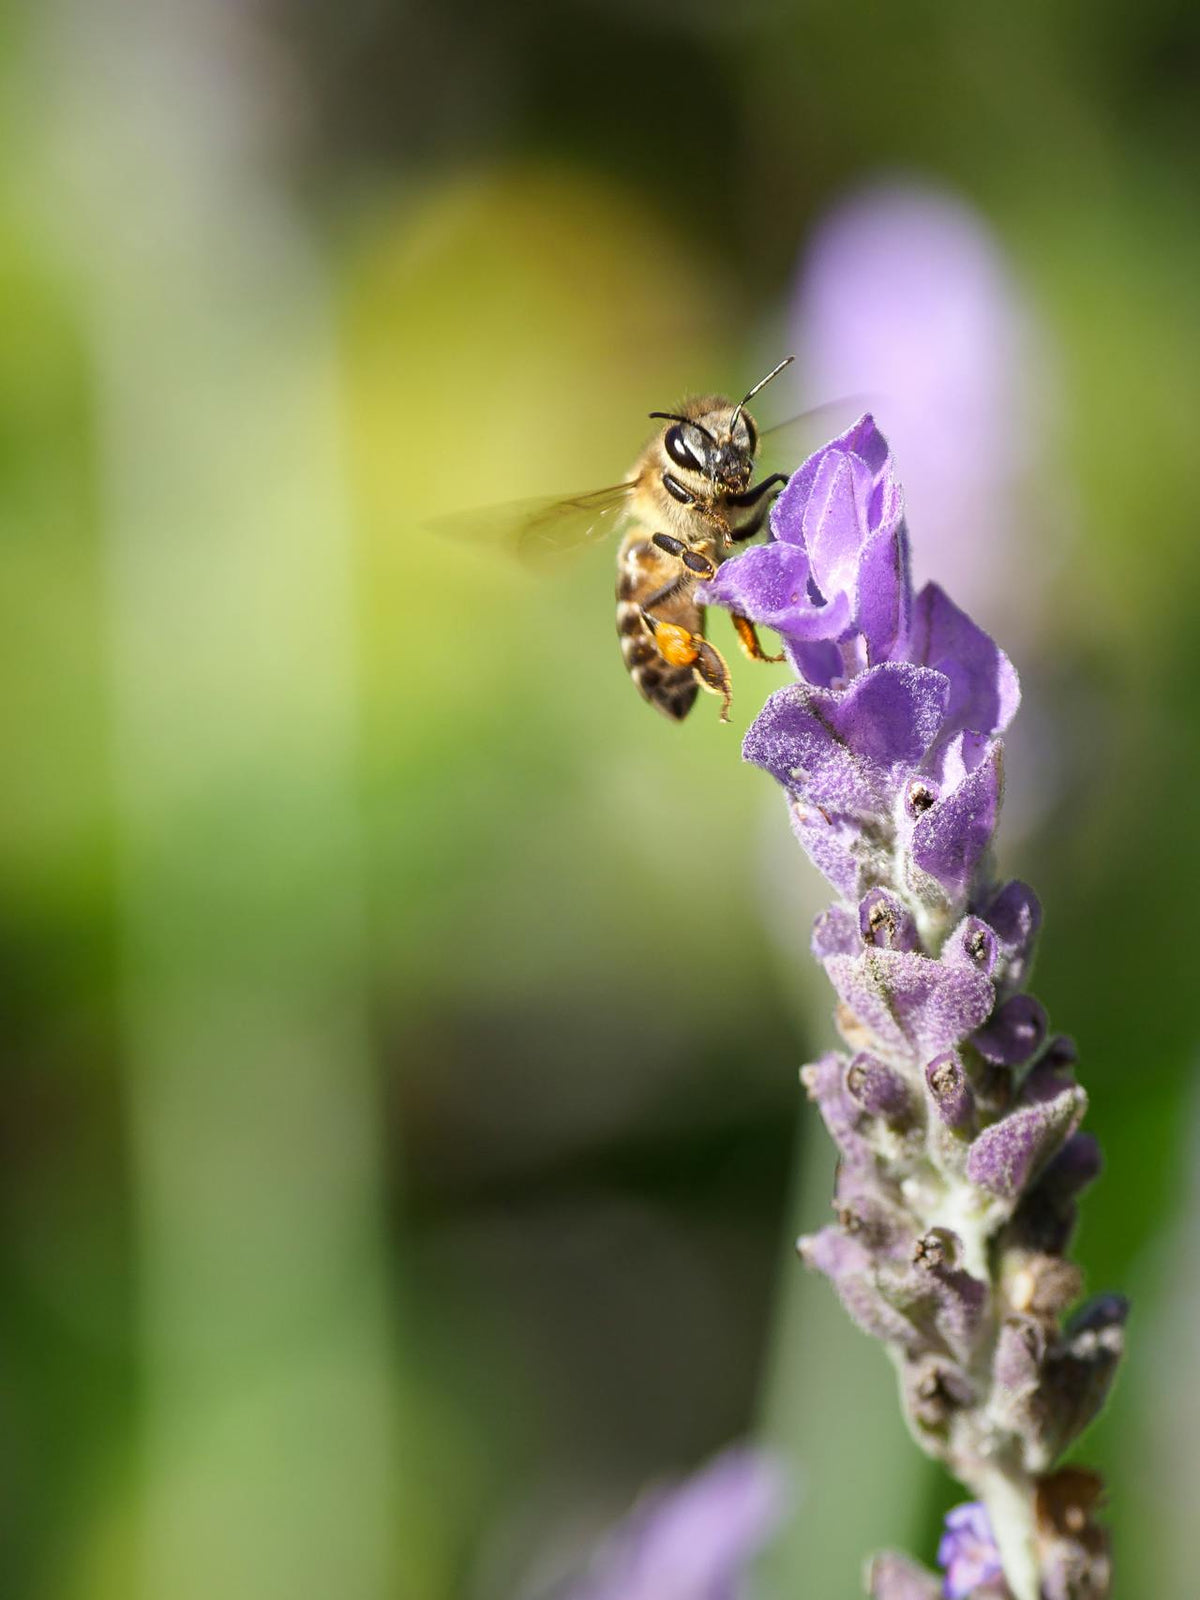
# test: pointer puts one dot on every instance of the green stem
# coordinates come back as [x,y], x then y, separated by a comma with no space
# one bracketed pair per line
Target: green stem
[1009,1498]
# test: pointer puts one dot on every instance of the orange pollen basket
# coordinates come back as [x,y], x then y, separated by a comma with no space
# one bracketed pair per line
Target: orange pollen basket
[675,644]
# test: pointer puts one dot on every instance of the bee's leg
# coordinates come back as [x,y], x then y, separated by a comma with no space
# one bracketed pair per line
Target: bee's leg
[712,674]
[755,498]
[751,496]
[693,560]
[681,648]
[748,639]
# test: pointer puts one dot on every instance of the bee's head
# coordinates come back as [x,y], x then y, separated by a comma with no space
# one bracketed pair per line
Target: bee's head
[704,452]
[715,441]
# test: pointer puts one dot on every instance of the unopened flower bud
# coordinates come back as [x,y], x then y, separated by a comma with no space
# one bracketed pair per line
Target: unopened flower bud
[886,922]
[879,1089]
[935,1390]
[1038,1284]
[972,944]
[951,1093]
[1014,1032]
[919,797]
[1006,1157]
[1072,1546]
[1015,914]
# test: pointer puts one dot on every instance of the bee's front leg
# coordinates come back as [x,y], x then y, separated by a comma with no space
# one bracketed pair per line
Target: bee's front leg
[749,640]
[681,648]
[703,566]
[758,499]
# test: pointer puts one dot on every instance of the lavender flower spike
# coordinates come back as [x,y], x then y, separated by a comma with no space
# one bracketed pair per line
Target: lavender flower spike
[954,1110]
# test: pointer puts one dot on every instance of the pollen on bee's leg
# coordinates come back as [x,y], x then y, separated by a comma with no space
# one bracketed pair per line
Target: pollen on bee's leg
[712,674]
[675,644]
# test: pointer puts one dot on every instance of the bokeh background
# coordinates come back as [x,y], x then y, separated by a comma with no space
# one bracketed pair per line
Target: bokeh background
[401,1138]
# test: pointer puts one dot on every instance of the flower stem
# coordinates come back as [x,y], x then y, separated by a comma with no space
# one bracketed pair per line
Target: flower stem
[1009,1498]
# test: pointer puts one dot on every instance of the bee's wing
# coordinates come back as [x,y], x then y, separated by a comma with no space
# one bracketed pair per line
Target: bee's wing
[787,443]
[538,529]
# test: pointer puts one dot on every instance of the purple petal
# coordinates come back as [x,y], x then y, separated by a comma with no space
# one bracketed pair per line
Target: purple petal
[862,439]
[1045,1219]
[883,598]
[846,751]
[770,584]
[984,689]
[844,510]
[890,715]
[819,661]
[835,520]
[950,838]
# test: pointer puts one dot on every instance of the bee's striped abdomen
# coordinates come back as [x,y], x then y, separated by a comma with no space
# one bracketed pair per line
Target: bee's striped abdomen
[642,570]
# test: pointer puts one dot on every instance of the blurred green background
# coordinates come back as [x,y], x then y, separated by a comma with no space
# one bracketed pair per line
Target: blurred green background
[402,1143]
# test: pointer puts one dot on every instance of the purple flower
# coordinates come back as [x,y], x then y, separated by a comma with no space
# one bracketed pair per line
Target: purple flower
[693,1541]
[955,1111]
[968,1553]
[834,582]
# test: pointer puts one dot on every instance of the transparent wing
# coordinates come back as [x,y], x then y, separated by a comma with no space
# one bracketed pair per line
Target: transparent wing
[537,530]
[787,443]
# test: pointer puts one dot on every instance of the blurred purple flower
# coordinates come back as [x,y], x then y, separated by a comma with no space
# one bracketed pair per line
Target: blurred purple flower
[905,296]
[693,1541]
[967,1553]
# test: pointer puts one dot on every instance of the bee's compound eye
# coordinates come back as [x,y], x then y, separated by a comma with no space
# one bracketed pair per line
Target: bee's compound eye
[680,452]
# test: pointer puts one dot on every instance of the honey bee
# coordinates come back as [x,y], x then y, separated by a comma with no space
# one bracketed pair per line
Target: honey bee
[686,506]
[691,504]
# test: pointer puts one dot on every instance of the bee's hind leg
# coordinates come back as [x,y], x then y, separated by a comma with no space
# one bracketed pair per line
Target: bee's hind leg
[749,641]
[681,648]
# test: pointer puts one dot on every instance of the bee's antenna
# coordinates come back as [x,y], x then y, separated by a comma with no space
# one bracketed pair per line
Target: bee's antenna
[761,384]
[688,422]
